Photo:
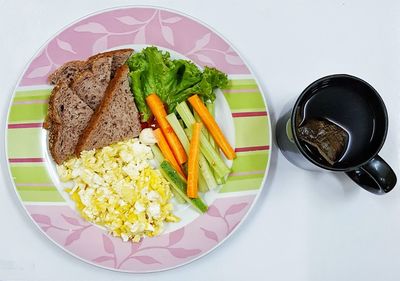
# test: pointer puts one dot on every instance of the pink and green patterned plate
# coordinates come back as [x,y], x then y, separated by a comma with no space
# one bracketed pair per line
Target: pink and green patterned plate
[241,110]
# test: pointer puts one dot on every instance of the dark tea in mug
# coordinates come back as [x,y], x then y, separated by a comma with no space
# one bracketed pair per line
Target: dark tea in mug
[339,123]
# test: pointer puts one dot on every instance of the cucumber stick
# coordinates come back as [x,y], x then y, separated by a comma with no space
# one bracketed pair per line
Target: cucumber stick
[203,188]
[179,184]
[213,157]
[215,161]
[211,109]
[160,158]
[204,128]
[205,170]
[210,139]
[157,154]
[202,183]
[177,195]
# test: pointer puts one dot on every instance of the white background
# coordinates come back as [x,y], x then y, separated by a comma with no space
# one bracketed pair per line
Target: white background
[305,226]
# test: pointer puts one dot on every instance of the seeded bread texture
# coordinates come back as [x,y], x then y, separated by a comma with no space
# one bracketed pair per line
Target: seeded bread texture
[69,118]
[116,118]
[66,73]
[90,85]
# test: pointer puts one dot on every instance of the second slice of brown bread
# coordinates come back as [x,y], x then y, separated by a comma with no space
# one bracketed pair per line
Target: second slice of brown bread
[91,84]
[69,116]
[116,118]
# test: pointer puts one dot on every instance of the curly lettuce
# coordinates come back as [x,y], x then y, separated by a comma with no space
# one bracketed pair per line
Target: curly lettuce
[153,71]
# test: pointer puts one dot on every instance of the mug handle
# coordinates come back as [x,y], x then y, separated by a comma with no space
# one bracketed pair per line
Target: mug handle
[376,176]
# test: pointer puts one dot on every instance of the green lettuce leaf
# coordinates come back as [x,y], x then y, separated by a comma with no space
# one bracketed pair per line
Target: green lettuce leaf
[153,71]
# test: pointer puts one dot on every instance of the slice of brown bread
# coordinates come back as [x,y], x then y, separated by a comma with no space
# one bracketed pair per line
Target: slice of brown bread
[119,57]
[68,71]
[91,84]
[88,82]
[116,118]
[69,117]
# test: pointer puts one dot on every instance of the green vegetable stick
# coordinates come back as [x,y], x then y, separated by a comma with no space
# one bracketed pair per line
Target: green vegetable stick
[212,156]
[203,128]
[160,158]
[203,188]
[211,108]
[215,161]
[180,186]
[157,154]
[205,169]
[212,142]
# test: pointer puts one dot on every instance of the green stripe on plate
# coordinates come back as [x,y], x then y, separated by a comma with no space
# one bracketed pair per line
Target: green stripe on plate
[33,93]
[250,161]
[39,195]
[240,101]
[247,172]
[24,143]
[251,131]
[242,84]
[28,112]
[250,87]
[28,99]
[32,173]
[242,81]
[235,184]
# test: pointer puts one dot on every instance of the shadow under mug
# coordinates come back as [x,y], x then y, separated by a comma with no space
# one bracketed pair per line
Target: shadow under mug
[354,103]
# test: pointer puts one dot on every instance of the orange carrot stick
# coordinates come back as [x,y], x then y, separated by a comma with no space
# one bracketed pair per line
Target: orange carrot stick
[212,126]
[166,151]
[193,162]
[158,110]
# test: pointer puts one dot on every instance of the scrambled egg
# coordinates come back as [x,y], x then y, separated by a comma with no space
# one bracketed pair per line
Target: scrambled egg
[116,187]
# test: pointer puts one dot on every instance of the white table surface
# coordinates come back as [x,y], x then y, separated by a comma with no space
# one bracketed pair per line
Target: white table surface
[305,226]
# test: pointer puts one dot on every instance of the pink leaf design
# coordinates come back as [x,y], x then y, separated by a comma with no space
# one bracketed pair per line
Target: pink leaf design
[39,72]
[108,245]
[210,234]
[140,36]
[92,27]
[176,236]
[65,46]
[75,235]
[135,246]
[236,208]
[204,59]
[172,20]
[42,219]
[213,211]
[103,259]
[230,50]
[72,221]
[202,42]
[233,227]
[146,259]
[234,60]
[183,253]
[129,20]
[168,34]
[100,45]
[45,228]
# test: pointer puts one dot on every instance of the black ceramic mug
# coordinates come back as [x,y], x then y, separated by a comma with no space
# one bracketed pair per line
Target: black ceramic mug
[356,107]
